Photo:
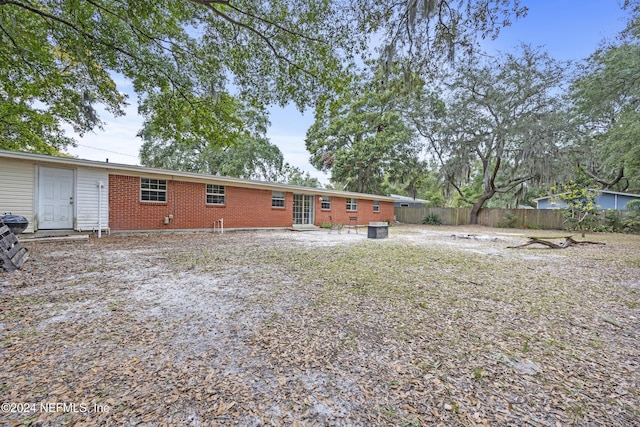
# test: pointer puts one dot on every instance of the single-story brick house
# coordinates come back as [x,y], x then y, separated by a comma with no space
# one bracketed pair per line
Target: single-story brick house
[604,200]
[73,194]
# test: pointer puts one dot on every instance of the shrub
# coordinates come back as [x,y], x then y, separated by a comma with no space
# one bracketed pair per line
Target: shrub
[576,220]
[631,222]
[508,221]
[432,219]
[613,220]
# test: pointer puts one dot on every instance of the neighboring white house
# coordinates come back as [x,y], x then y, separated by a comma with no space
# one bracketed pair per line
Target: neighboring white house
[604,200]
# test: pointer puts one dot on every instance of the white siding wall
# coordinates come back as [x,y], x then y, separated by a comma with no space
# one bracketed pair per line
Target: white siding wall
[87,199]
[17,196]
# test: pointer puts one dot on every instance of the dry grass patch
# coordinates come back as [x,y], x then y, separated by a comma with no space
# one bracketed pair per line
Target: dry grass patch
[319,329]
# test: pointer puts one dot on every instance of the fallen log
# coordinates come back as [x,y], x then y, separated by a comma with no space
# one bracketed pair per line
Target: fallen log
[545,241]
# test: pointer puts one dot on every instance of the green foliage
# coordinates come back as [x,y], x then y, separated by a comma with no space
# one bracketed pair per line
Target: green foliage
[422,33]
[579,195]
[465,194]
[237,148]
[362,138]
[432,219]
[296,176]
[61,59]
[633,206]
[47,79]
[631,221]
[478,374]
[605,96]
[613,220]
[508,221]
[627,221]
[419,183]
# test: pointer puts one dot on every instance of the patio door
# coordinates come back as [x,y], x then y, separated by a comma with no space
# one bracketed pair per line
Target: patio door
[302,209]
[55,199]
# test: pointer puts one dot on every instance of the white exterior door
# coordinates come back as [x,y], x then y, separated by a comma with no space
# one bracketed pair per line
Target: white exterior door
[55,198]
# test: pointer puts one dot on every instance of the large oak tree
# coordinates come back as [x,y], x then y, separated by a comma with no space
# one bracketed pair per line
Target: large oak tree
[362,137]
[503,116]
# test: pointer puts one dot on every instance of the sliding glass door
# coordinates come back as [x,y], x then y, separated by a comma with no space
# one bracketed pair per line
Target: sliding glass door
[302,209]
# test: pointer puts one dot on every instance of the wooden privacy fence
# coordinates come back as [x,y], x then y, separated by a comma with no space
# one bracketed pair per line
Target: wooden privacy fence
[546,219]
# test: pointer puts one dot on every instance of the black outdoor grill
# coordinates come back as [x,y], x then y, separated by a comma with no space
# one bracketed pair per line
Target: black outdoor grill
[16,223]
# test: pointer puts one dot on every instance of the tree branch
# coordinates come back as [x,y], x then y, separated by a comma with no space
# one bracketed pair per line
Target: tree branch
[89,36]
[271,23]
[450,180]
[496,168]
[264,38]
[15,44]
[70,25]
[513,183]
[606,185]
[156,41]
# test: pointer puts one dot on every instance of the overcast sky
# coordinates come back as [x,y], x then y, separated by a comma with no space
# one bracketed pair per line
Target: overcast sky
[567,29]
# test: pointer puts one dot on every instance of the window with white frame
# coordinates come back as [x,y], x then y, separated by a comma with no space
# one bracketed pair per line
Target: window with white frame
[352,204]
[376,206]
[277,199]
[326,203]
[153,190]
[215,194]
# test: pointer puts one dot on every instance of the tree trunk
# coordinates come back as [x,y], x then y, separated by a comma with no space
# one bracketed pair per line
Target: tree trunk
[475,210]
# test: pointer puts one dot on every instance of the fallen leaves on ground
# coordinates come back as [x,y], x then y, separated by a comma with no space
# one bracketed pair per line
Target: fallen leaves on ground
[306,329]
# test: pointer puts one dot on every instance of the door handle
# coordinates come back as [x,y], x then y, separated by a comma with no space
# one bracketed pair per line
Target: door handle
[70,200]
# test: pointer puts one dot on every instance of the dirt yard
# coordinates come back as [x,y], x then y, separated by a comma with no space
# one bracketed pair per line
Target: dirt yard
[432,326]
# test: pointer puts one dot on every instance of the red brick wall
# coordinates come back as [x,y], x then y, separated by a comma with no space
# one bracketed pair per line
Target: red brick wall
[364,213]
[186,201]
[244,208]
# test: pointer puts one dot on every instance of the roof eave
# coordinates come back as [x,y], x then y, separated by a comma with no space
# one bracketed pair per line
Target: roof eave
[225,180]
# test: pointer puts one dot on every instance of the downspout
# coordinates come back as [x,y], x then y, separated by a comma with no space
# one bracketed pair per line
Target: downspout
[100,186]
[173,197]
